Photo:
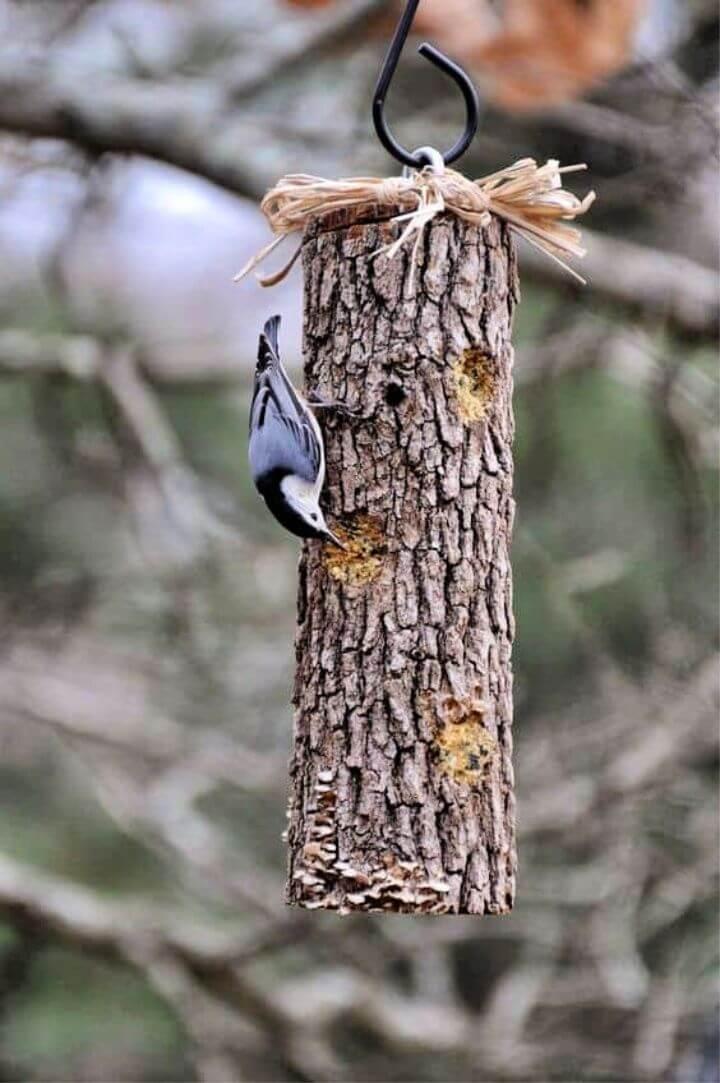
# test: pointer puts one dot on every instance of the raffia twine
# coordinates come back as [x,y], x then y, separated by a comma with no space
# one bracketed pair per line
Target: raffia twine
[530,198]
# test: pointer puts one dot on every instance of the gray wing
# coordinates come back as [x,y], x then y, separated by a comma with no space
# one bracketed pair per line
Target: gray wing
[282,434]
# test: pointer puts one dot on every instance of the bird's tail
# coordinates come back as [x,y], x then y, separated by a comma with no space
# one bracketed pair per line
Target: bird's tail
[269,351]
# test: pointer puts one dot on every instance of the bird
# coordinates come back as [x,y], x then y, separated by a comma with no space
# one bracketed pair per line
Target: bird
[286,448]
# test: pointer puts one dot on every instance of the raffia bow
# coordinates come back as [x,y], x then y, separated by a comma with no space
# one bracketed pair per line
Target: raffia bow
[530,198]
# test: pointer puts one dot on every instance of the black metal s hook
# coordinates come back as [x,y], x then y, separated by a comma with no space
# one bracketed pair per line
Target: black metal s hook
[445,64]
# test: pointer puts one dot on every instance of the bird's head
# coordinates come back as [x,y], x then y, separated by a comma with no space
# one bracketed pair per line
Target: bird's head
[302,504]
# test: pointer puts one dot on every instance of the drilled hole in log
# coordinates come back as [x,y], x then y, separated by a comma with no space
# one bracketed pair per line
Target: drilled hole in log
[394,394]
[475,380]
[362,559]
[465,748]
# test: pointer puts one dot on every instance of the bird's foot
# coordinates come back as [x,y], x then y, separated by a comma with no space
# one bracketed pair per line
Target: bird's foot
[319,403]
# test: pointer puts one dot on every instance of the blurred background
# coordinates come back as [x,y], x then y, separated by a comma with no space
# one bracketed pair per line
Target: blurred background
[147,601]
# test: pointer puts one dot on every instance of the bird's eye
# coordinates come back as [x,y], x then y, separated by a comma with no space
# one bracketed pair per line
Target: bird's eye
[314,517]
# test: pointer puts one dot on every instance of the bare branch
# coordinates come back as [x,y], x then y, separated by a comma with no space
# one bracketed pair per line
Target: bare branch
[186,123]
[33,900]
[25,353]
[317,36]
[189,966]
[29,353]
[643,279]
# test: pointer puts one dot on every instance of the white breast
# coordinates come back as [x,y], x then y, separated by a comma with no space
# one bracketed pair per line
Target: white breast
[301,493]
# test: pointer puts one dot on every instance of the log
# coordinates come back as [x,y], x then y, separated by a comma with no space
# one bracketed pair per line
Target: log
[401,791]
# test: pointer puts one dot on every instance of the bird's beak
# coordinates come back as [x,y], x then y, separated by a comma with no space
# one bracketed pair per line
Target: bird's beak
[335,540]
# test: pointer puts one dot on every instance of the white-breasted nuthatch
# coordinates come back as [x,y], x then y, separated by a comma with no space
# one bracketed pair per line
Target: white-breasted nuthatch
[287,452]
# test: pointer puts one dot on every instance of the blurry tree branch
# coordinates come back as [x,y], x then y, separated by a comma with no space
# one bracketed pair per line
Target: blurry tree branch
[27,353]
[89,695]
[632,357]
[605,124]
[684,732]
[188,124]
[246,77]
[141,411]
[140,415]
[644,279]
[183,962]
[297,1016]
[72,696]
[200,973]
[34,901]
[83,357]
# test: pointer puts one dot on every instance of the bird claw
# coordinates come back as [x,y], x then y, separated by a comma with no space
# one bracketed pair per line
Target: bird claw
[339,407]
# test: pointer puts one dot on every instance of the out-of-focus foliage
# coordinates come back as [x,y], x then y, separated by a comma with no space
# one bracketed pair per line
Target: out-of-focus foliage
[538,52]
[147,602]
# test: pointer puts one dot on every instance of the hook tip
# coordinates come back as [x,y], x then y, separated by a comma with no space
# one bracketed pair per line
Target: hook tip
[442,63]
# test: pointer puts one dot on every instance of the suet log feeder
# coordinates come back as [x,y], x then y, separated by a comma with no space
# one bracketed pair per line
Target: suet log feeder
[401,787]
[401,778]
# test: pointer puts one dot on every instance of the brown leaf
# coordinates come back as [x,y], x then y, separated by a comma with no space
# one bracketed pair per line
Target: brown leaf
[542,51]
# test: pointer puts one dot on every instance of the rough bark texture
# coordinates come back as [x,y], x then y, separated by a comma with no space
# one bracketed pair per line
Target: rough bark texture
[401,777]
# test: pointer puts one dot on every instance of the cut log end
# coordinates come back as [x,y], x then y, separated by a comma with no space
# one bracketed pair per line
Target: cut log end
[401,796]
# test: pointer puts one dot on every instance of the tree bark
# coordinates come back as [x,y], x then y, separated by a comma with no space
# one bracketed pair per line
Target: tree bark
[401,794]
